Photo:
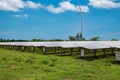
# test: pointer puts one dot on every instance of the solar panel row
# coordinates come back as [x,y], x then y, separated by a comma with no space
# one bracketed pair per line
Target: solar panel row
[69,44]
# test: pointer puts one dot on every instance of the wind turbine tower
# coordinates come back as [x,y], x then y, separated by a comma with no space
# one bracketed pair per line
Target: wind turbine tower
[81,15]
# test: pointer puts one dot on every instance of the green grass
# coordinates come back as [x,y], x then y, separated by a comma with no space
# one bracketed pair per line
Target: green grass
[17,65]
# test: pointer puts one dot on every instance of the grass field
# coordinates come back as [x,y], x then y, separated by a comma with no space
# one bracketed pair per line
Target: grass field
[18,65]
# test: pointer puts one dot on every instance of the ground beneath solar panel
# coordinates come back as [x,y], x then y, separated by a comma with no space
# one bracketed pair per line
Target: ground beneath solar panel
[17,65]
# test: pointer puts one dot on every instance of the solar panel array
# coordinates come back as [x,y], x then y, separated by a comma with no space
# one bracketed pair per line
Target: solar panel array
[69,44]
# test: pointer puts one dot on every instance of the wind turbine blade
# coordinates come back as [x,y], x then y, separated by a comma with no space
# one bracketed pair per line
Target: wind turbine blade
[80,8]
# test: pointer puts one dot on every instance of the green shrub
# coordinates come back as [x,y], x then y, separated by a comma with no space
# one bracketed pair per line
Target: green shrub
[45,62]
[18,59]
[30,61]
[4,58]
[52,64]
[53,59]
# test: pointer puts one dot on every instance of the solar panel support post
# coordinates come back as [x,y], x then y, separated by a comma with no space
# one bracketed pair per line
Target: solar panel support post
[82,53]
[112,50]
[71,50]
[95,51]
[40,48]
[3,46]
[44,50]
[60,51]
[55,50]
[32,48]
[51,49]
[10,47]
[23,48]
[104,54]
[16,47]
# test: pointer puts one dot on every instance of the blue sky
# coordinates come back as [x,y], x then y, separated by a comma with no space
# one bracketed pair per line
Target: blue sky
[51,19]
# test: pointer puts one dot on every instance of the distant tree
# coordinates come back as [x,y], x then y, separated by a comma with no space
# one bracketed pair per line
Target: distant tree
[56,40]
[37,40]
[95,38]
[114,39]
[21,40]
[78,37]
[72,38]
[1,39]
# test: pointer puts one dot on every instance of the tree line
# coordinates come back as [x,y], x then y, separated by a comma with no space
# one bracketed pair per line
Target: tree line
[77,37]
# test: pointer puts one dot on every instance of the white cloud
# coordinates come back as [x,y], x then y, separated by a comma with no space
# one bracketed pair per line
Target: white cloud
[11,5]
[54,10]
[33,5]
[17,5]
[66,6]
[106,4]
[21,16]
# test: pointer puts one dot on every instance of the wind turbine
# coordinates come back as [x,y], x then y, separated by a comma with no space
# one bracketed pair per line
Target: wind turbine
[81,14]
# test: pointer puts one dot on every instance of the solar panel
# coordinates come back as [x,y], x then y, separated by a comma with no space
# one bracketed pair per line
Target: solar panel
[69,44]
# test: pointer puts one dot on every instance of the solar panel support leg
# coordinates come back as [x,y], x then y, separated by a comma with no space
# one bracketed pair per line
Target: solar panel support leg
[112,50]
[44,50]
[55,50]
[32,48]
[23,48]
[60,51]
[82,53]
[10,46]
[95,53]
[104,53]
[40,48]
[71,50]
[16,47]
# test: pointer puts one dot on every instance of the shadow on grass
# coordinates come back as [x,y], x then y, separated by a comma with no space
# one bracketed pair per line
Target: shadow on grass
[92,58]
[58,54]
[115,62]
